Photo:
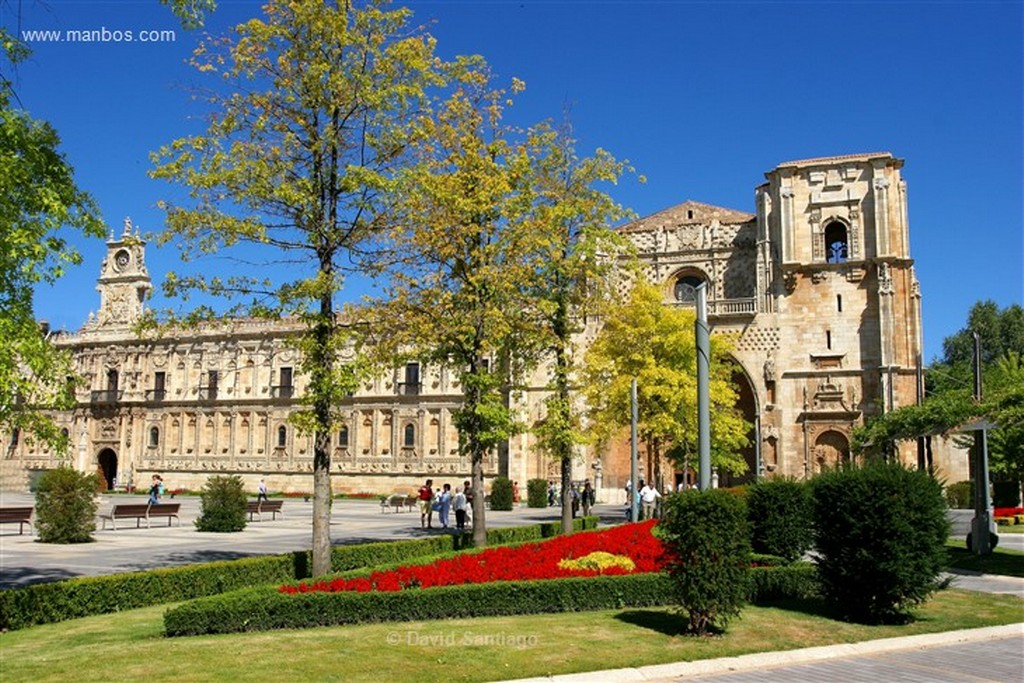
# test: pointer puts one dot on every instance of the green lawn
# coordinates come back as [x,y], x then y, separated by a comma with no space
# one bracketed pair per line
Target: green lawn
[1001,561]
[130,646]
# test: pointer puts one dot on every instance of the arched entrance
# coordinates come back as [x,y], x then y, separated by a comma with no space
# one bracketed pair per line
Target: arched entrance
[831,450]
[106,468]
[746,403]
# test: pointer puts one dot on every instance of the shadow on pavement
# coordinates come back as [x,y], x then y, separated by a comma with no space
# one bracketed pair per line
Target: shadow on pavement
[23,576]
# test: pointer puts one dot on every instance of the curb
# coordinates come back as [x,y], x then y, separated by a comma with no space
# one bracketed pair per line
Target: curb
[661,672]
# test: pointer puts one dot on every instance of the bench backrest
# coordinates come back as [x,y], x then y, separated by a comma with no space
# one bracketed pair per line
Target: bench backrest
[164,507]
[272,504]
[15,513]
[126,509]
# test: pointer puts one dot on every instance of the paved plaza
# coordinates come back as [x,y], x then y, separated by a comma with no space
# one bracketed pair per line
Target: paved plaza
[24,561]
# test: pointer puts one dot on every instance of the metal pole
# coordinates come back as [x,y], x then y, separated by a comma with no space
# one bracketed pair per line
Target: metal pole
[757,448]
[632,451]
[703,387]
[982,524]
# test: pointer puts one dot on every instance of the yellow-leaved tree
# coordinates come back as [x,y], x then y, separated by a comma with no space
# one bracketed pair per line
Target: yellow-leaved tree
[646,339]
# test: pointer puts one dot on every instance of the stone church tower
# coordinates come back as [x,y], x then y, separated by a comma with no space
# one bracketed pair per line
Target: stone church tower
[818,288]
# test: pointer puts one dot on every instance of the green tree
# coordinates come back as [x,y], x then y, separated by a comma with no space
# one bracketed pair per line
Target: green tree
[41,207]
[301,149]
[574,246]
[950,398]
[457,296]
[645,339]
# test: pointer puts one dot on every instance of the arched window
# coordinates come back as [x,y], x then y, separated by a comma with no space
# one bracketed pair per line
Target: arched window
[64,432]
[836,243]
[154,437]
[409,439]
[282,436]
[685,290]
[343,437]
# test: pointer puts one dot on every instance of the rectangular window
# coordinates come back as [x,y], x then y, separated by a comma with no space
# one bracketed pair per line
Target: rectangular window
[284,387]
[411,386]
[211,384]
[828,339]
[839,302]
[159,386]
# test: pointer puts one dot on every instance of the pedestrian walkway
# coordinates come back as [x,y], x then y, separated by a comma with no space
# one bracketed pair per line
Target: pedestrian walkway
[984,655]
[24,561]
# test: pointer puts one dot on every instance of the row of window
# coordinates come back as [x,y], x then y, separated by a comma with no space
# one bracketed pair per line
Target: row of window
[284,388]
[408,436]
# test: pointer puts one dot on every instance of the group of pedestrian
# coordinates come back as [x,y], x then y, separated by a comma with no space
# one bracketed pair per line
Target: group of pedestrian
[582,495]
[443,501]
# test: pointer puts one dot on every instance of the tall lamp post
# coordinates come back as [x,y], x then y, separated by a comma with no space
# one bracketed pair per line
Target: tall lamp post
[703,387]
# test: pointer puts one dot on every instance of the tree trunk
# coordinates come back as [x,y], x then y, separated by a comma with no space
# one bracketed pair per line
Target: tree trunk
[322,371]
[479,505]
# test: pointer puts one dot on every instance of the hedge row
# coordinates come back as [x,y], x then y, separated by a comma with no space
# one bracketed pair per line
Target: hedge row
[50,602]
[264,608]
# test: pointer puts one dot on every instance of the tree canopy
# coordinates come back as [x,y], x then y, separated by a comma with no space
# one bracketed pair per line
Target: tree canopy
[313,111]
[645,339]
[574,253]
[41,207]
[949,403]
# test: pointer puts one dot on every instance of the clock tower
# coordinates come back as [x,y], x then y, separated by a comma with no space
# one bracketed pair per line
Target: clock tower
[124,281]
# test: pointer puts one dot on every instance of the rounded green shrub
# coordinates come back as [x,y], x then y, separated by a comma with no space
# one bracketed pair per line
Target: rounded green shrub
[708,556]
[880,535]
[223,504]
[780,512]
[960,496]
[66,506]
[501,493]
[537,493]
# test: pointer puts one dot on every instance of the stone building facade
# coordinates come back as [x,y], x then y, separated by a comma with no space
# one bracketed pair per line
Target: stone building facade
[817,286]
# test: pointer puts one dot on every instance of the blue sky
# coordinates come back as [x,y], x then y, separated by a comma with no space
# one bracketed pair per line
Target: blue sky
[702,98]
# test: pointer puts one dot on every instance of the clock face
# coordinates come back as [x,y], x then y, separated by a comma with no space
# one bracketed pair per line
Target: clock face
[121,259]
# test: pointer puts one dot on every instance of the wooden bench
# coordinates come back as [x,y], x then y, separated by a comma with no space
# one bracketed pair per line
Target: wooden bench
[22,516]
[142,512]
[398,501]
[258,507]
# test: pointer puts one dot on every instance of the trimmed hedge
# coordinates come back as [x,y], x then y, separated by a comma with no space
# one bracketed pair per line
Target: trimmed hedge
[264,608]
[260,609]
[50,602]
[537,493]
[781,513]
[501,494]
[796,581]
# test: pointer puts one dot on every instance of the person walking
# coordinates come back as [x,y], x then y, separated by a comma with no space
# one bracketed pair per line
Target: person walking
[648,499]
[261,492]
[154,490]
[588,498]
[426,496]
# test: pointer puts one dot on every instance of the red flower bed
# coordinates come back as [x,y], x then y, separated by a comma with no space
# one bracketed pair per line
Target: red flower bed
[522,563]
[1007,512]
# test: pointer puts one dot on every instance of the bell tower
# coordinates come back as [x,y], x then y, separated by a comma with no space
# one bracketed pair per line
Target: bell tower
[124,281]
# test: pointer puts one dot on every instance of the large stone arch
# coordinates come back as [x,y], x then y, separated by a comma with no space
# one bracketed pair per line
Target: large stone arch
[106,468]
[748,405]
